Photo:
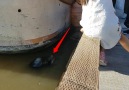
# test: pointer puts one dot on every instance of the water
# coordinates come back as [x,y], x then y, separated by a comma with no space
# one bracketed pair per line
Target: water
[15,73]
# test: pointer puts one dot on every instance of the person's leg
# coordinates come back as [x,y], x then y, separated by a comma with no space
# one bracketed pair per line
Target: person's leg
[102,60]
[126,23]
[124,41]
[119,7]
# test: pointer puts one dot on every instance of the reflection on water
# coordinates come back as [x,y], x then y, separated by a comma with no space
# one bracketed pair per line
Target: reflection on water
[15,73]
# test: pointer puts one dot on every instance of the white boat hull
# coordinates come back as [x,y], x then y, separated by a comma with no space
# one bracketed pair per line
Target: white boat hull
[30,23]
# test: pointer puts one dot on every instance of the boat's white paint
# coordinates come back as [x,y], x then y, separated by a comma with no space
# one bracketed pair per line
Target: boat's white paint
[38,19]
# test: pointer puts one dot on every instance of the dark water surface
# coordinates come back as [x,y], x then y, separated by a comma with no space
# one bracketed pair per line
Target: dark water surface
[15,73]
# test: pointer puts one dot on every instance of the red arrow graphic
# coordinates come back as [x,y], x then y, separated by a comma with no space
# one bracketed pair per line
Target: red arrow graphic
[55,50]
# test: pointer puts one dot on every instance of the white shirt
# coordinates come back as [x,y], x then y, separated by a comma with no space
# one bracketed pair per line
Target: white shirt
[99,20]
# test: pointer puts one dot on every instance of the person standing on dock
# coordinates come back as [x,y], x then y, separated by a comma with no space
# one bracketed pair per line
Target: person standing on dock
[99,20]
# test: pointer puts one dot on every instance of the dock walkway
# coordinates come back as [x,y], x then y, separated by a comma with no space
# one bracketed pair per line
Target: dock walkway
[116,75]
[82,72]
